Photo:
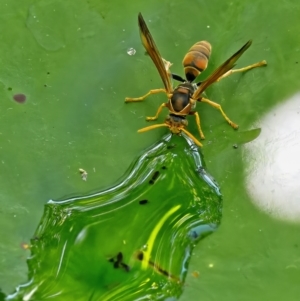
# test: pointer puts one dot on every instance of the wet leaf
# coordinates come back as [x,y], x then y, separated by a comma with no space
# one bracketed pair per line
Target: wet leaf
[131,241]
[75,72]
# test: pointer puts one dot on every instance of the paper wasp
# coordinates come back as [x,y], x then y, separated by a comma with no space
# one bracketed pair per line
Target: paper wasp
[182,100]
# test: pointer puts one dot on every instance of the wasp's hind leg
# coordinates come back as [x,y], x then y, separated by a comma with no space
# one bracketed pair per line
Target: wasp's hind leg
[244,69]
[217,106]
[154,91]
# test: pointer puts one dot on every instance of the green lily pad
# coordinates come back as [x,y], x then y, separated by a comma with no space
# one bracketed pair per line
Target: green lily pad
[74,69]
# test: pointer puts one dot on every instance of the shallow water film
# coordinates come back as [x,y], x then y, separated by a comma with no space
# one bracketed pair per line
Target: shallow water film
[132,241]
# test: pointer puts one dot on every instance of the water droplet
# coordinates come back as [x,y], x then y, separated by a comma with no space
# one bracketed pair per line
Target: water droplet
[131,51]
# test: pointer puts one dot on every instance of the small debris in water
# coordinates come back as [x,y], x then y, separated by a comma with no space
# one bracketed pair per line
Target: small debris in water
[83,173]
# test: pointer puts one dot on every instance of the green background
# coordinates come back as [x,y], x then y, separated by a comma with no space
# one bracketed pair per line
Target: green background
[70,59]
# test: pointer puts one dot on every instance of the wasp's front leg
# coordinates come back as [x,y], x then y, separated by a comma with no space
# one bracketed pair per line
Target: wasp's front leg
[198,124]
[155,91]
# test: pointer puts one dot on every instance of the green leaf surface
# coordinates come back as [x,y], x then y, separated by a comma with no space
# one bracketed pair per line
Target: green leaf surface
[70,60]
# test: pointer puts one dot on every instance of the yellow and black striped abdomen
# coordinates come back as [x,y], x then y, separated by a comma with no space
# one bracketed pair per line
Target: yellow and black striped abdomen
[196,60]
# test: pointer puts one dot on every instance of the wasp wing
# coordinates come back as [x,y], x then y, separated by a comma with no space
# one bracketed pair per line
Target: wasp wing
[152,50]
[225,67]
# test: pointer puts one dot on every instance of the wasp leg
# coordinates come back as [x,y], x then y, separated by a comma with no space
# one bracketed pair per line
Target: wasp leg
[217,106]
[157,113]
[152,127]
[259,64]
[155,91]
[192,137]
[198,124]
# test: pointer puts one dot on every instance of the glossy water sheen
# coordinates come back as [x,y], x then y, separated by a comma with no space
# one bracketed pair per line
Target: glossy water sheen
[132,241]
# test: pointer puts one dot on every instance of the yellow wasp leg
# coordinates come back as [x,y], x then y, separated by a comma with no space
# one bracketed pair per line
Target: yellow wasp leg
[198,125]
[155,91]
[157,113]
[192,137]
[217,106]
[259,64]
[152,127]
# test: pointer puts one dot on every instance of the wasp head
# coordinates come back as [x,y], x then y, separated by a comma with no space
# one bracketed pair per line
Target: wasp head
[176,123]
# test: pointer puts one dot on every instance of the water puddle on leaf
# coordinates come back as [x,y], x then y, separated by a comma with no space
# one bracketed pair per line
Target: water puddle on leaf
[132,241]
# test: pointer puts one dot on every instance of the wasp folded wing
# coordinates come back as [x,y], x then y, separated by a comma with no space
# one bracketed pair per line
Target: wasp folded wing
[225,67]
[152,50]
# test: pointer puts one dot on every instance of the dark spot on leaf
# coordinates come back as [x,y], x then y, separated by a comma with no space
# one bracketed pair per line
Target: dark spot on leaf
[20,98]
[119,257]
[116,264]
[45,85]
[235,146]
[125,267]
[193,234]
[154,177]
[164,167]
[164,272]
[48,72]
[9,88]
[140,255]
[171,146]
[143,202]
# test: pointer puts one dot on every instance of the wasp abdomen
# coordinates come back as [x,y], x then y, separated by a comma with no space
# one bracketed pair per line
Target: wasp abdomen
[196,60]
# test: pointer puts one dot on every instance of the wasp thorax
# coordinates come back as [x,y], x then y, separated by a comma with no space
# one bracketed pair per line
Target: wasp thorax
[196,60]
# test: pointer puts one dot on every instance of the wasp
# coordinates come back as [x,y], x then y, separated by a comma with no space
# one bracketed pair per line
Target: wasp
[183,99]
